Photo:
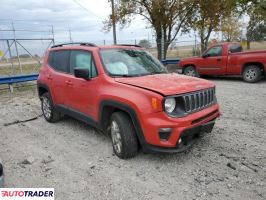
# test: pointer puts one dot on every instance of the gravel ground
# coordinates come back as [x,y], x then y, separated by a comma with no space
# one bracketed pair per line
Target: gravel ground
[75,159]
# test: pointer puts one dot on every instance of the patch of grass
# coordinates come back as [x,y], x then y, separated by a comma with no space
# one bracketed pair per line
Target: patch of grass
[26,69]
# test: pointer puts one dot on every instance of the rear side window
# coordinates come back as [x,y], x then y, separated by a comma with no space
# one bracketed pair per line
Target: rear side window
[235,48]
[82,59]
[59,60]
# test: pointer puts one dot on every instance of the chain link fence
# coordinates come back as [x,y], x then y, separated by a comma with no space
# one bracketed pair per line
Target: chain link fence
[27,58]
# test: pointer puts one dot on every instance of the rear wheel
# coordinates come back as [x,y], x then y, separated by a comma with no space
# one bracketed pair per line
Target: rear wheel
[252,74]
[48,109]
[191,71]
[124,139]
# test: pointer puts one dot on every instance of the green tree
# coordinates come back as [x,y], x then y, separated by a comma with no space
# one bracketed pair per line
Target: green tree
[249,6]
[208,17]
[145,44]
[256,30]
[166,17]
[231,29]
[256,9]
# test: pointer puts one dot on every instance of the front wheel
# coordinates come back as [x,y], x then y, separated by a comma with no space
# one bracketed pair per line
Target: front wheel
[191,71]
[252,74]
[124,139]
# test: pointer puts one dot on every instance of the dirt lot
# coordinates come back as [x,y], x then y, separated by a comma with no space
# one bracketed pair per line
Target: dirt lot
[229,163]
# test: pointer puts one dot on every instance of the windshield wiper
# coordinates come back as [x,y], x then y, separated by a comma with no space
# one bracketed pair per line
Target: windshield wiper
[161,72]
[122,75]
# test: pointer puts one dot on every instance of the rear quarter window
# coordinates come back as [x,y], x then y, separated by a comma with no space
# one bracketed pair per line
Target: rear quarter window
[235,48]
[59,60]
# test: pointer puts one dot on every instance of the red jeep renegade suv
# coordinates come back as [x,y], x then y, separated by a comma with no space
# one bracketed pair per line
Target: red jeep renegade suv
[125,92]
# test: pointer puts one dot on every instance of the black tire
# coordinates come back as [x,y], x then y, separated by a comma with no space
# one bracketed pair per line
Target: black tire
[128,138]
[46,102]
[191,71]
[252,74]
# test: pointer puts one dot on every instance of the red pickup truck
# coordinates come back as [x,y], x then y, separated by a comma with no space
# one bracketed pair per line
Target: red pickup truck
[226,59]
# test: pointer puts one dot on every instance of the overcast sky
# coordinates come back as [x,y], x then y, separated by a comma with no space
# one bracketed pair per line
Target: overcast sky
[83,17]
[84,23]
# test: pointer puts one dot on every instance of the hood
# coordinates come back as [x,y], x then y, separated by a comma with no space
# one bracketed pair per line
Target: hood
[167,84]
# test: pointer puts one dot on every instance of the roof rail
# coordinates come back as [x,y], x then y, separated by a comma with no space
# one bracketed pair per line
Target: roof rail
[71,43]
[133,45]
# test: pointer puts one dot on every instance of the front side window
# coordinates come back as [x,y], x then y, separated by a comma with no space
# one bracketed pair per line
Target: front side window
[130,62]
[214,51]
[82,59]
[59,60]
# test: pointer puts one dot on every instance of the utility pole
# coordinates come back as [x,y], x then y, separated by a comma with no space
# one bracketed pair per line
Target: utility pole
[53,33]
[70,36]
[113,21]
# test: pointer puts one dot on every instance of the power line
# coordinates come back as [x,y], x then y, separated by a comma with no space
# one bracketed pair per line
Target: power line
[75,1]
[23,30]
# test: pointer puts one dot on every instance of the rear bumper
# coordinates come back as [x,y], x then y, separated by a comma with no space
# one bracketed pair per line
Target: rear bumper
[188,138]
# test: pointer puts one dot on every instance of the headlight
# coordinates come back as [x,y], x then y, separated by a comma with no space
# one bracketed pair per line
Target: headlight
[169,104]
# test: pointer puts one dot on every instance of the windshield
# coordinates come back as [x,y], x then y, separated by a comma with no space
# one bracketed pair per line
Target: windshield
[127,63]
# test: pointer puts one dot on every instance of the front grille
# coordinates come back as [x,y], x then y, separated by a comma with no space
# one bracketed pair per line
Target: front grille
[198,100]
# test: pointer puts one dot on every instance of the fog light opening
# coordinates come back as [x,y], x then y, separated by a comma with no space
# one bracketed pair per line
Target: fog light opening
[164,133]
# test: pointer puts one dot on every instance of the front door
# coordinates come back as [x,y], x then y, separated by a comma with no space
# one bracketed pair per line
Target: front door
[212,62]
[82,94]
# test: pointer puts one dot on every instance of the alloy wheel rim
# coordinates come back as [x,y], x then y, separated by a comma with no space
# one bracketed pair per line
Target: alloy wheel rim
[251,74]
[191,73]
[46,107]
[116,137]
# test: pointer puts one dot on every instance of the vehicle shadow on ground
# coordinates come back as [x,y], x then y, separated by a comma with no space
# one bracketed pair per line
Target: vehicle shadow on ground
[84,127]
[104,138]
[196,150]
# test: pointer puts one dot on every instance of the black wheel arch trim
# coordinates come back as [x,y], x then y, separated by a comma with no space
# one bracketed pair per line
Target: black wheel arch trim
[129,110]
[258,64]
[42,85]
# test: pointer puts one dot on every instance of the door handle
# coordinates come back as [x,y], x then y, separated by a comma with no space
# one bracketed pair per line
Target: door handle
[69,83]
[49,77]
[219,59]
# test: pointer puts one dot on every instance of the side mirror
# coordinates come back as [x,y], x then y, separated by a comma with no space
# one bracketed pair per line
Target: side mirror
[205,55]
[82,73]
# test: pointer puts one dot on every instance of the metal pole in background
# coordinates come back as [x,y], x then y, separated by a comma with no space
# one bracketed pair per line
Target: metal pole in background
[16,46]
[70,36]
[195,51]
[162,45]
[10,56]
[53,33]
[113,21]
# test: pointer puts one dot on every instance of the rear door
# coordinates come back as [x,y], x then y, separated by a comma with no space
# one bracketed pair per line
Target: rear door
[82,94]
[212,62]
[57,75]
